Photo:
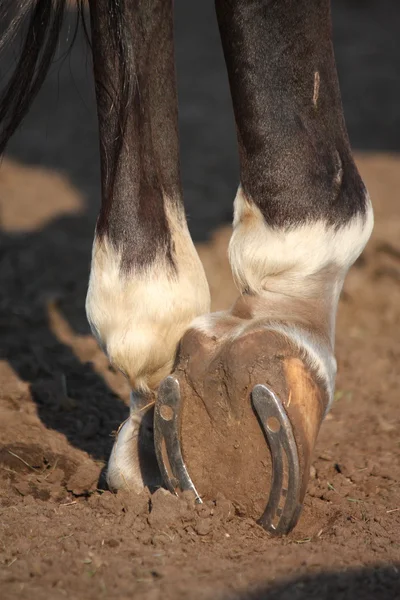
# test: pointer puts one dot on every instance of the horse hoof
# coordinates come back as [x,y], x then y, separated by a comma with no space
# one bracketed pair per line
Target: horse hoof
[240,417]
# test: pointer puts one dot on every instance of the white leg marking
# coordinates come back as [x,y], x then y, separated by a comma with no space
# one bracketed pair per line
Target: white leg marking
[287,260]
[139,319]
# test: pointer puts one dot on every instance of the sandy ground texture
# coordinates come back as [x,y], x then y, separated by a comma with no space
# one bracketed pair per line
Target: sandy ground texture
[62,535]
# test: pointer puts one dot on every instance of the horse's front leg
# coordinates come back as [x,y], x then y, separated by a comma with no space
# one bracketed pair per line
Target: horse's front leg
[146,281]
[302,216]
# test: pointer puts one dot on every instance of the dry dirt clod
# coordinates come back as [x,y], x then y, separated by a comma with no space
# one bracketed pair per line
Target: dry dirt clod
[224,510]
[203,526]
[85,479]
[166,509]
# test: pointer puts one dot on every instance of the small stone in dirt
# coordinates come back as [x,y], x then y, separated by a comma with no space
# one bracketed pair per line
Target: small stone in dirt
[224,510]
[203,526]
[85,479]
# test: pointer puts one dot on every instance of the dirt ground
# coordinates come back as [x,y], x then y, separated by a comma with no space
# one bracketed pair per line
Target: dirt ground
[63,534]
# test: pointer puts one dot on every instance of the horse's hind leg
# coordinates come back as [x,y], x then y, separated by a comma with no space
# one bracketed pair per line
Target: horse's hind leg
[146,281]
[302,217]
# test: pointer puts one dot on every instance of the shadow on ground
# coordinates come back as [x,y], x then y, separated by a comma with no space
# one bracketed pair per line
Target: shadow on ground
[370,583]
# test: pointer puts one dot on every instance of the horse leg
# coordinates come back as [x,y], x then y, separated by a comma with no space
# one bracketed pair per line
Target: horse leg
[146,281]
[301,218]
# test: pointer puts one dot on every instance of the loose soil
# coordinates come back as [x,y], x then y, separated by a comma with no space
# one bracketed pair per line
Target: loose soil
[63,534]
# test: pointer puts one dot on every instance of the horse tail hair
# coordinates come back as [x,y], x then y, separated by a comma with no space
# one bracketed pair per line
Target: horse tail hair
[40,23]
[45,19]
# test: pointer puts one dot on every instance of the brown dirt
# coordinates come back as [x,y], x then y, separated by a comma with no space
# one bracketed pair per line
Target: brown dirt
[60,535]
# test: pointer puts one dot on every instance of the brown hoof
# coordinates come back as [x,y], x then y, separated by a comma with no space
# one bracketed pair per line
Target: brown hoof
[240,416]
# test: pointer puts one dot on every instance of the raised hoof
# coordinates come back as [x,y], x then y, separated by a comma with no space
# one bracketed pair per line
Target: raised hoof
[240,416]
